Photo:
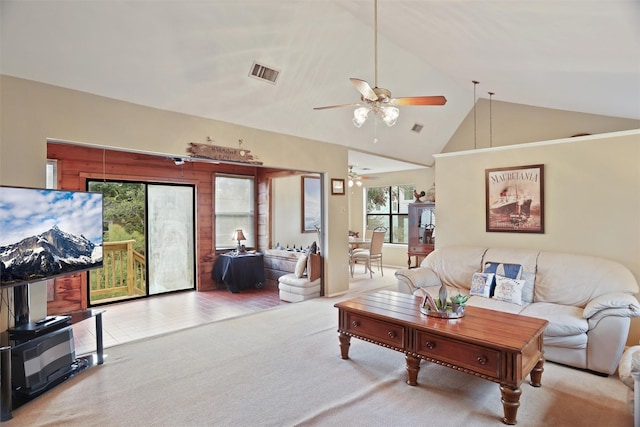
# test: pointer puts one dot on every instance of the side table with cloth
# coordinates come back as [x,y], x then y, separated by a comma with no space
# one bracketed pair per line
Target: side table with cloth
[239,272]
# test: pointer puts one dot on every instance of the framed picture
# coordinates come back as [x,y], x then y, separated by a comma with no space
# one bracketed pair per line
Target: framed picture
[310,203]
[337,186]
[515,199]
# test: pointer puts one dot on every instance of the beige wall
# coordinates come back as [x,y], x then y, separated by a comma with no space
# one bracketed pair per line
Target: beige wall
[287,214]
[591,197]
[32,112]
[503,123]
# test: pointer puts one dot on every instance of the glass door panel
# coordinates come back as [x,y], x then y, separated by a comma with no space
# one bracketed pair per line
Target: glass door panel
[171,242]
[124,251]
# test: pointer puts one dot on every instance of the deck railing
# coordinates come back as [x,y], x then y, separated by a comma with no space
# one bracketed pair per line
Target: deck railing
[123,274]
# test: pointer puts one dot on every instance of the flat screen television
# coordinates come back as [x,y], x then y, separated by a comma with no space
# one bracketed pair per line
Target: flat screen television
[46,233]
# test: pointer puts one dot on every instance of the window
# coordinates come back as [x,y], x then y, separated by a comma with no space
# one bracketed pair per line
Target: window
[52,173]
[234,209]
[389,207]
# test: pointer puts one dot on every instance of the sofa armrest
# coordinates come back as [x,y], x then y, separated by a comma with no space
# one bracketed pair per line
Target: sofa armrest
[411,279]
[612,304]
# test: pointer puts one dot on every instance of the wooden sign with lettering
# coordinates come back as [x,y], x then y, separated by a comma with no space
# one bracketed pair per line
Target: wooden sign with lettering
[217,152]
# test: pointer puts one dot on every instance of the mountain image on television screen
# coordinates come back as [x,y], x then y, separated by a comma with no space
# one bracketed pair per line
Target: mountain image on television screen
[51,253]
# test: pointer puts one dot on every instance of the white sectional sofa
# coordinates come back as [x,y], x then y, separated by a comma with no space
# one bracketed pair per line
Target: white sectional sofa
[588,301]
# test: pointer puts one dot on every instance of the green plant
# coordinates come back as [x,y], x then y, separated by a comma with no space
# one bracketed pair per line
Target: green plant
[459,299]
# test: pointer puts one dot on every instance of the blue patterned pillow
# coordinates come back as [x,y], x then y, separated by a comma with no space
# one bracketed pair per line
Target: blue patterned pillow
[512,271]
[481,284]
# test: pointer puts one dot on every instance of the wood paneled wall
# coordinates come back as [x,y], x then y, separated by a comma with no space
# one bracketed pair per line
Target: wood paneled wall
[77,163]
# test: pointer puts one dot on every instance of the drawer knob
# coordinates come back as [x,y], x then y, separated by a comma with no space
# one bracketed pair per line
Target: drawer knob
[430,345]
[355,323]
[391,334]
[482,360]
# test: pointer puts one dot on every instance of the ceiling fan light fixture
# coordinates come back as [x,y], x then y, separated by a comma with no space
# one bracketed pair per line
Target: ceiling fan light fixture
[360,116]
[390,115]
[359,183]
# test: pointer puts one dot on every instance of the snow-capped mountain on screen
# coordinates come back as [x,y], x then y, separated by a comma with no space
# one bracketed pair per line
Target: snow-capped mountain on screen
[48,254]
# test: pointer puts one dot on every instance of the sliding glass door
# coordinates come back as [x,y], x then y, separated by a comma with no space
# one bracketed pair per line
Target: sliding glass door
[149,240]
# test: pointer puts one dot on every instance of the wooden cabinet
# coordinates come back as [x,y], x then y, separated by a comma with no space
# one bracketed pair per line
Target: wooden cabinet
[422,223]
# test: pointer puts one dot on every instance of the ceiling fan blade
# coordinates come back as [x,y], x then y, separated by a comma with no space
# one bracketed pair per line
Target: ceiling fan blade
[364,88]
[335,106]
[420,100]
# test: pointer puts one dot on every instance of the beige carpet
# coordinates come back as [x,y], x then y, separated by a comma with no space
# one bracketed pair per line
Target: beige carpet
[281,367]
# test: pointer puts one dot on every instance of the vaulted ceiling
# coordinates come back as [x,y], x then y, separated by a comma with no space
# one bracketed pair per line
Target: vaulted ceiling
[195,57]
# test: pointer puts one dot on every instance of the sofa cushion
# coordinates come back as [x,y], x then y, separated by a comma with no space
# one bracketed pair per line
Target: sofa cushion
[527,258]
[572,279]
[299,282]
[508,290]
[572,342]
[527,290]
[455,265]
[615,303]
[299,290]
[481,284]
[564,320]
[494,304]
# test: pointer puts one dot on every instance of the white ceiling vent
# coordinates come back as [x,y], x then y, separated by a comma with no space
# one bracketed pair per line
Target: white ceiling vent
[417,128]
[262,72]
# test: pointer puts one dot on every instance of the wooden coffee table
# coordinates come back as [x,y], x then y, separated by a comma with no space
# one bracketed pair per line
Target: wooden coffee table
[493,345]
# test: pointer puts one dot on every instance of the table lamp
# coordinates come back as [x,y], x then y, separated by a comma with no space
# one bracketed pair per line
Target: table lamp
[239,235]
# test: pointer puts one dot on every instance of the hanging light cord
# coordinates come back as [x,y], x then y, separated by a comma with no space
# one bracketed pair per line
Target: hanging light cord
[490,119]
[475,145]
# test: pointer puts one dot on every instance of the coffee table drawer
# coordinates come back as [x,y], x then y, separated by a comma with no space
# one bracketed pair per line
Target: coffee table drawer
[377,330]
[464,355]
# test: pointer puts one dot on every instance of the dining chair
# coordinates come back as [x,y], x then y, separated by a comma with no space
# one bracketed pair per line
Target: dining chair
[373,253]
[367,236]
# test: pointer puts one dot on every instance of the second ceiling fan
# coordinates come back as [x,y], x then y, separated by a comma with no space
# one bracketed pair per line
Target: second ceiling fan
[355,178]
[378,99]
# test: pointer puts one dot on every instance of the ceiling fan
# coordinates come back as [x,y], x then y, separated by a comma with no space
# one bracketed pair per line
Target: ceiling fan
[378,99]
[355,178]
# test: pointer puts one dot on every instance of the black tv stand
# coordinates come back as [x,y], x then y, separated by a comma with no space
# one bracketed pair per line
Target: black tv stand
[10,397]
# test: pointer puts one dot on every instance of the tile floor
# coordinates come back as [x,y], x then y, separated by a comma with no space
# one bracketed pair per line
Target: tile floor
[132,320]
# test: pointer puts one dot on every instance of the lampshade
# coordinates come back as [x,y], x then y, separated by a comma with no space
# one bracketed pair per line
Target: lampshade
[360,116]
[358,182]
[239,235]
[388,114]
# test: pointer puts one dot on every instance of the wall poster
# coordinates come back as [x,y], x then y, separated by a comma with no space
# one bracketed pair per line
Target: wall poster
[311,204]
[515,199]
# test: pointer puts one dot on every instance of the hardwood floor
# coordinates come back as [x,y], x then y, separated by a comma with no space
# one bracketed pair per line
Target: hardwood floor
[142,318]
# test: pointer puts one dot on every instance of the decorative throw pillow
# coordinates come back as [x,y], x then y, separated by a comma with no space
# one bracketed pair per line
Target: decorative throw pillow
[481,284]
[301,265]
[509,290]
[512,271]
